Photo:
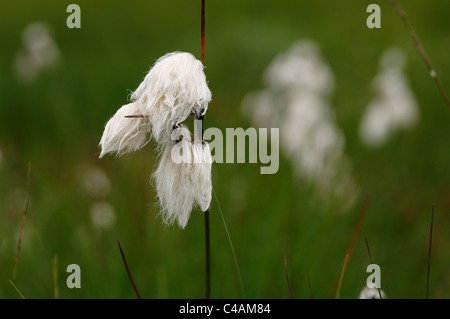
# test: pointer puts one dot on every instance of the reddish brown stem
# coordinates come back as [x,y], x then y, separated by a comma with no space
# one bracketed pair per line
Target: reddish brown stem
[429,249]
[420,49]
[140,116]
[309,284]
[287,277]
[22,226]
[203,31]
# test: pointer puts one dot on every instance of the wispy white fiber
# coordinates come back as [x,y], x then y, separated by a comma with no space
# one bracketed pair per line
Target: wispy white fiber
[202,174]
[183,177]
[122,134]
[174,88]
[394,106]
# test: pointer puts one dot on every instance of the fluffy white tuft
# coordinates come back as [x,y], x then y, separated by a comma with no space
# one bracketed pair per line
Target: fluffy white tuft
[183,177]
[174,88]
[123,135]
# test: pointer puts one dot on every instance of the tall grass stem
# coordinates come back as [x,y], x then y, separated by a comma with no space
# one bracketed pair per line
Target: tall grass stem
[22,226]
[429,250]
[128,270]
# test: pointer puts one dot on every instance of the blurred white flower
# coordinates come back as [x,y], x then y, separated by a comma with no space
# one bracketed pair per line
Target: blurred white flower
[296,100]
[183,177]
[37,53]
[372,293]
[96,183]
[394,106]
[102,215]
[300,67]
[174,88]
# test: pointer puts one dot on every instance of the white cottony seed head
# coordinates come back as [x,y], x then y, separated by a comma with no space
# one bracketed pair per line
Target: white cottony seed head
[174,88]
[183,177]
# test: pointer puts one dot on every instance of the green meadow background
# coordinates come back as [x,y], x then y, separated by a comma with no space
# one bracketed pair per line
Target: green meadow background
[56,122]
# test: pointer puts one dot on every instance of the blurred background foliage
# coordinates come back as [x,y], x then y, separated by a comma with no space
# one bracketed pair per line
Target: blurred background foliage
[80,205]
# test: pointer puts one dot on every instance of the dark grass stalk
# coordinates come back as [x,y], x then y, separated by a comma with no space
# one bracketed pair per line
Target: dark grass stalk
[231,245]
[207,257]
[128,271]
[17,289]
[429,250]
[55,277]
[19,243]
[367,245]
[370,259]
[420,49]
[351,248]
[309,284]
[287,277]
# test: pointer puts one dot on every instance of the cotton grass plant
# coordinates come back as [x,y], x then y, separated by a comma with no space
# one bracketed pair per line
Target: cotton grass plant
[133,130]
[174,88]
